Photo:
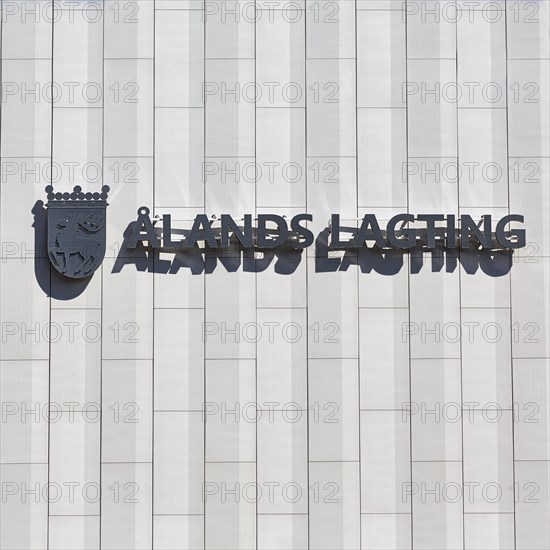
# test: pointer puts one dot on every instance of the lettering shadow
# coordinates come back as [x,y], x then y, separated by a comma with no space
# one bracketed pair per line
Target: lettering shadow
[385,261]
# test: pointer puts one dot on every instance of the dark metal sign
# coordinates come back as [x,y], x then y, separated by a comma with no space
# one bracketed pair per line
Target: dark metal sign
[77,232]
[404,231]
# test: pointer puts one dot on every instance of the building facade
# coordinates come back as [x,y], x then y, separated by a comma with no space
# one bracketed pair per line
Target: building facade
[296,399]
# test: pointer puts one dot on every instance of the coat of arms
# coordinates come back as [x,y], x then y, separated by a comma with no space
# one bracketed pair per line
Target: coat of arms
[76,231]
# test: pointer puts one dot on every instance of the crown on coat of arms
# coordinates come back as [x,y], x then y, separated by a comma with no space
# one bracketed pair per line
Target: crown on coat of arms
[77,198]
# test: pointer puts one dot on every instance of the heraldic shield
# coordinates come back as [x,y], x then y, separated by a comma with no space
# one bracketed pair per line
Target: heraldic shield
[77,231]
